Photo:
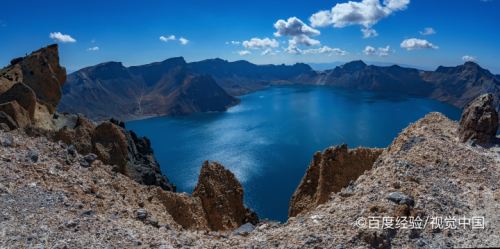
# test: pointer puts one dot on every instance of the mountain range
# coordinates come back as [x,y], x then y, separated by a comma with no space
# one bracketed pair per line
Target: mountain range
[175,87]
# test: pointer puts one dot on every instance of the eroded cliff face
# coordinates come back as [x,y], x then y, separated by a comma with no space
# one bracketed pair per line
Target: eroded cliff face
[479,121]
[328,173]
[31,88]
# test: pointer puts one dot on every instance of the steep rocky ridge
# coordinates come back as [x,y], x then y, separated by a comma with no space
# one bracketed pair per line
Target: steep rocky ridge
[30,88]
[328,173]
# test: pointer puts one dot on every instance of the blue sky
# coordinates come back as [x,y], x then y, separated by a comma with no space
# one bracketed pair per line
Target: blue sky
[91,32]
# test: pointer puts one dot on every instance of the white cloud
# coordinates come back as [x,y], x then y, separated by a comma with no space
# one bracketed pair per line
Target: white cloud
[58,36]
[467,58]
[369,50]
[365,13]
[233,42]
[183,41]
[303,40]
[257,43]
[414,43]
[167,38]
[293,27]
[325,50]
[384,51]
[96,48]
[428,31]
[369,32]
[269,51]
[244,52]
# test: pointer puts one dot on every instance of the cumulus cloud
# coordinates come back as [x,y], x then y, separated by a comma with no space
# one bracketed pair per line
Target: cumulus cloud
[167,38]
[325,50]
[244,52]
[383,51]
[60,37]
[183,41]
[414,43]
[270,51]
[467,58]
[428,31]
[258,43]
[96,48]
[369,32]
[293,27]
[365,13]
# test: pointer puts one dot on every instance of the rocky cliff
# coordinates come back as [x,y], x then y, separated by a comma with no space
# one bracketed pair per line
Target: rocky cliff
[328,173]
[30,88]
[30,91]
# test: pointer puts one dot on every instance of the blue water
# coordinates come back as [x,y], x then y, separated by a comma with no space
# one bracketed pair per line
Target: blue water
[268,140]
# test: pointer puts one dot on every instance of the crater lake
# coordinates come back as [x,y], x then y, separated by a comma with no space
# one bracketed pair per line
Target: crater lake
[268,140]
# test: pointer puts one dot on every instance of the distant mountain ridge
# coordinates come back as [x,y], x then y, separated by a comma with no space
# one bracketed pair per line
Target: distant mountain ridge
[175,87]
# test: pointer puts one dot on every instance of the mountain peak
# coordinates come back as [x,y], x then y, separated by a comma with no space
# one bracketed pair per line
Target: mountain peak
[354,65]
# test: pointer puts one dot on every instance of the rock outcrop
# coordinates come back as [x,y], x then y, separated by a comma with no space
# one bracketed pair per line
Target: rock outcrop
[328,173]
[222,198]
[479,121]
[35,83]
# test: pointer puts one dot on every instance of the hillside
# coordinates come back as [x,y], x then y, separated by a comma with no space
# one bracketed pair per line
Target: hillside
[161,88]
[165,88]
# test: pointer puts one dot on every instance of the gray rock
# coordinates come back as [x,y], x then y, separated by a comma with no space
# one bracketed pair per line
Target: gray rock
[33,155]
[71,150]
[141,214]
[244,229]
[7,140]
[88,160]
[400,198]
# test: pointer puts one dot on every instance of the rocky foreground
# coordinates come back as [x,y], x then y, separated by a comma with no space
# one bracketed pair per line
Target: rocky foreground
[426,172]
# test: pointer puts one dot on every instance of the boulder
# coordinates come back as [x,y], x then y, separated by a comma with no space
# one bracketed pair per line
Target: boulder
[110,145]
[24,96]
[187,211]
[17,113]
[222,198]
[7,121]
[328,173]
[80,135]
[479,121]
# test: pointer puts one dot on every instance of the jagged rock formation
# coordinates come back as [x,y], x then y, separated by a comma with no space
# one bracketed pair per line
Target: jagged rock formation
[163,88]
[425,172]
[222,198]
[30,88]
[479,121]
[328,173]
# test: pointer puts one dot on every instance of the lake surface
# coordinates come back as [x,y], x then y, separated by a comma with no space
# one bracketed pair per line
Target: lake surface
[269,139]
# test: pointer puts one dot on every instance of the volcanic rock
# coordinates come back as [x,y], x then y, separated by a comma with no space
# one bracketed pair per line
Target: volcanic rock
[479,121]
[17,113]
[328,173]
[222,198]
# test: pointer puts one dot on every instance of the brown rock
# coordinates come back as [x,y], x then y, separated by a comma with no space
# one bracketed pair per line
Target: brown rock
[110,145]
[17,113]
[222,198]
[187,211]
[328,173]
[80,135]
[479,121]
[42,73]
[24,96]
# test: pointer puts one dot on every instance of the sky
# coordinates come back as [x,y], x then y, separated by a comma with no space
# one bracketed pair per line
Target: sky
[421,33]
